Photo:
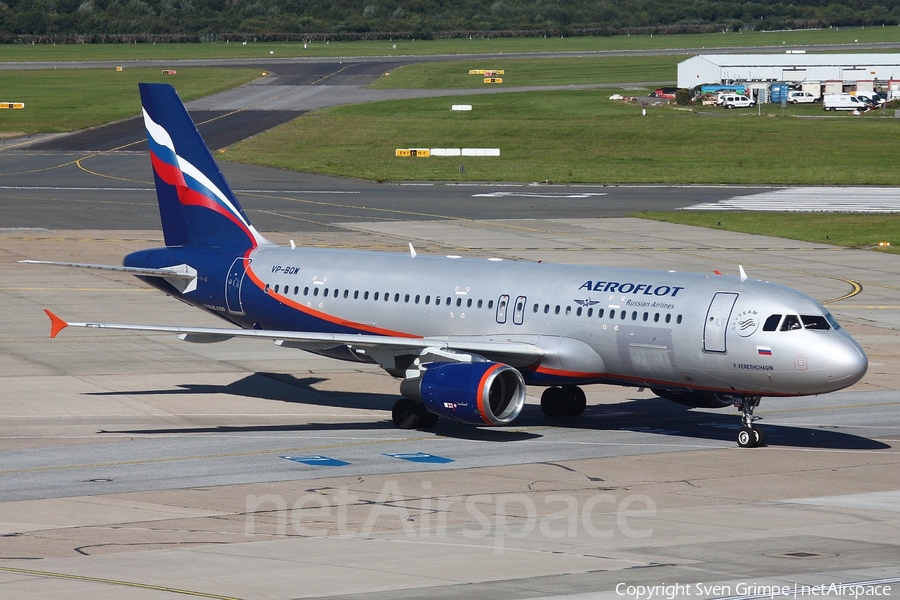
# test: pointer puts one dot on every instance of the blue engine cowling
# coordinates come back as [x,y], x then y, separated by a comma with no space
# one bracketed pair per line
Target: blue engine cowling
[481,393]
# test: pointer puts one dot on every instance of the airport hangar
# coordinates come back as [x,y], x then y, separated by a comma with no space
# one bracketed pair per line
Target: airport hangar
[859,71]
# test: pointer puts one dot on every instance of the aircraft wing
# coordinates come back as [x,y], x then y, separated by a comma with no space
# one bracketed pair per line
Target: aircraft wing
[382,349]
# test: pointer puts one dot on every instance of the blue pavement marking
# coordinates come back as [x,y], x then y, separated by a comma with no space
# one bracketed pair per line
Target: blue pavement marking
[317,461]
[420,457]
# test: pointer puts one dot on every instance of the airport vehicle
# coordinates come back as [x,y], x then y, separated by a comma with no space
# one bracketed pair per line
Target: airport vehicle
[467,335]
[844,102]
[736,101]
[801,97]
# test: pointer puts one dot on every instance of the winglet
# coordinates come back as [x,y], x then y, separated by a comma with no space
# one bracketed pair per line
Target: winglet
[56,324]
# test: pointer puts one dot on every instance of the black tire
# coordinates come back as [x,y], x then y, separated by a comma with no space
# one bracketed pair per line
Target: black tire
[553,402]
[428,420]
[576,402]
[746,438]
[760,436]
[406,414]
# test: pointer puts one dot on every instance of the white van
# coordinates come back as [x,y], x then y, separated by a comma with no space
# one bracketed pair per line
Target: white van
[736,101]
[843,102]
[798,97]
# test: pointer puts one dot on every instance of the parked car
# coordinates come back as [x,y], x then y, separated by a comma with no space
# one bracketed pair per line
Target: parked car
[734,101]
[844,102]
[800,97]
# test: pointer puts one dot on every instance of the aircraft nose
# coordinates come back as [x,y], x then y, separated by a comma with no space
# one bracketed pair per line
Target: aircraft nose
[848,361]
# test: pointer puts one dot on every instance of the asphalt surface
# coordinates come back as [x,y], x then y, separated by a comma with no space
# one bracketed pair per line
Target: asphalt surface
[136,465]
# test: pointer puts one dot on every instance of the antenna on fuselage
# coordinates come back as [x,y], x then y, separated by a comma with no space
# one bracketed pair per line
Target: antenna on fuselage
[743,273]
[412,251]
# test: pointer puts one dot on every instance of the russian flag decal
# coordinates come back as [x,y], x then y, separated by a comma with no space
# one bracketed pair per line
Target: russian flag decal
[764,350]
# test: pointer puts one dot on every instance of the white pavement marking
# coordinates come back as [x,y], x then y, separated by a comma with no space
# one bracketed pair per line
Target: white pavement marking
[813,199]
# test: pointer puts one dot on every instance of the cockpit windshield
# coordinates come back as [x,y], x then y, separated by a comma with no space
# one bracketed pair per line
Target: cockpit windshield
[794,322]
[815,322]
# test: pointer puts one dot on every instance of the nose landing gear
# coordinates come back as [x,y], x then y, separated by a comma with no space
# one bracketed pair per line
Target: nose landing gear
[749,435]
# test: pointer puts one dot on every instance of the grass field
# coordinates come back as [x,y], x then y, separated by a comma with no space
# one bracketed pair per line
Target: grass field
[220,49]
[572,71]
[839,229]
[68,100]
[582,136]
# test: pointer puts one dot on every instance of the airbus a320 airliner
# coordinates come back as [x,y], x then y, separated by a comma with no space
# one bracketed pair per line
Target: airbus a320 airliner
[467,335]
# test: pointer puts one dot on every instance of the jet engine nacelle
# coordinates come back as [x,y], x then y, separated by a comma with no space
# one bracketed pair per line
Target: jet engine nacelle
[694,399]
[480,393]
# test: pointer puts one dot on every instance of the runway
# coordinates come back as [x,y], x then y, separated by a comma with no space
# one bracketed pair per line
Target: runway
[136,465]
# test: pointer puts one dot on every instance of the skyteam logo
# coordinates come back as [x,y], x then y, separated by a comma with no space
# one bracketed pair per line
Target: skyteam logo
[745,323]
[193,187]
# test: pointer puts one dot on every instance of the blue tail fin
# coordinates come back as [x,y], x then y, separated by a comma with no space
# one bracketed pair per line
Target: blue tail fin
[196,205]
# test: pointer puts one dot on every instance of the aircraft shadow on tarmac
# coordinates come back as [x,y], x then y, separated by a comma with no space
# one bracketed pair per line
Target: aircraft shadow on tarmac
[662,417]
[644,415]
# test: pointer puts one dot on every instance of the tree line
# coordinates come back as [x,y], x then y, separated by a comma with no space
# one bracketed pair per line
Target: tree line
[195,20]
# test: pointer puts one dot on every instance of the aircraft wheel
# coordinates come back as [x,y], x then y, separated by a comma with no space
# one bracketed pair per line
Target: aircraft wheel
[553,402]
[576,401]
[746,438]
[406,414]
[759,435]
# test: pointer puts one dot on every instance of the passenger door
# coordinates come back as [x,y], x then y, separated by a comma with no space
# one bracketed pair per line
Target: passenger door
[716,323]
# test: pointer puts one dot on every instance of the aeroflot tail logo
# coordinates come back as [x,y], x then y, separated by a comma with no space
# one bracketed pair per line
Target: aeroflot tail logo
[645,289]
[194,188]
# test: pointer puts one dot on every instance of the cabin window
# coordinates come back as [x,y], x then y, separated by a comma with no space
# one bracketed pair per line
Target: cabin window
[557,309]
[346,294]
[296,290]
[459,301]
[315,291]
[366,295]
[568,310]
[815,322]
[276,288]
[578,312]
[427,299]
[600,312]
[267,288]
[325,292]
[356,295]
[791,323]
[479,303]
[678,319]
[375,296]
[469,303]
[437,300]
[634,315]
[656,318]
[306,291]
[590,312]
[546,309]
[490,304]
[646,316]
[449,300]
[387,297]
[406,298]
[771,323]
[668,318]
[336,292]
[416,299]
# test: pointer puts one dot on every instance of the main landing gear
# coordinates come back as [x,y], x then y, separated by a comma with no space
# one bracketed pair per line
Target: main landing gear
[409,414]
[749,435]
[565,401]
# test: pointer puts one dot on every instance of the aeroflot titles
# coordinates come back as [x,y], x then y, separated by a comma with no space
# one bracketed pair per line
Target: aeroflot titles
[631,288]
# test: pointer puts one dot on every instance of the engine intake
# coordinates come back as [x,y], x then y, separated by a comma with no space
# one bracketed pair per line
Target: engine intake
[482,393]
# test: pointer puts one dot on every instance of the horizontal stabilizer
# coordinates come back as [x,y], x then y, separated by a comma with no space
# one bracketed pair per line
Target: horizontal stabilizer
[182,277]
